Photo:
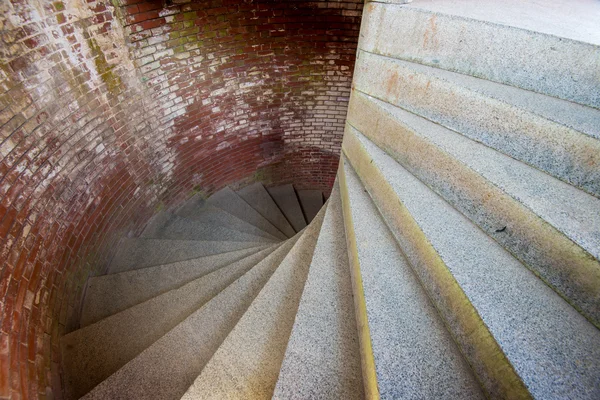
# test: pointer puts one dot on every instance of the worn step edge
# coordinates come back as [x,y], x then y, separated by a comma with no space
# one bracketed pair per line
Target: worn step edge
[554,251]
[286,199]
[257,196]
[555,66]
[556,350]
[167,368]
[231,202]
[136,253]
[477,343]
[404,322]
[439,96]
[109,294]
[322,355]
[247,363]
[91,354]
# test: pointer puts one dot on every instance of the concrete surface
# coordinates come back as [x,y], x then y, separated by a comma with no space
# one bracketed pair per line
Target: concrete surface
[540,62]
[415,356]
[443,97]
[93,353]
[514,203]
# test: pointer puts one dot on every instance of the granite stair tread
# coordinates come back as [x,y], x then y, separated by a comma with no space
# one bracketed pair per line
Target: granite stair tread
[545,333]
[287,201]
[247,363]
[413,353]
[93,353]
[214,215]
[322,355]
[508,53]
[135,253]
[166,368]
[257,196]
[109,294]
[556,136]
[181,228]
[231,202]
[311,202]
[551,226]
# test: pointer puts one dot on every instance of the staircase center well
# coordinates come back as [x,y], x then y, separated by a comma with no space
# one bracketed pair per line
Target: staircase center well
[113,110]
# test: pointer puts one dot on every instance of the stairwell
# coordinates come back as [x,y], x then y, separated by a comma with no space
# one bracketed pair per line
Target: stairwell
[457,256]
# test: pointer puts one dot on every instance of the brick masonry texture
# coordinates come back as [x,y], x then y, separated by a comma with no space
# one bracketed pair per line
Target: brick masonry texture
[112,110]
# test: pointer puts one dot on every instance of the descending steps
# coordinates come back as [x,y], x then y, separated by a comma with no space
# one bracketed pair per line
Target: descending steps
[322,355]
[404,326]
[287,201]
[458,256]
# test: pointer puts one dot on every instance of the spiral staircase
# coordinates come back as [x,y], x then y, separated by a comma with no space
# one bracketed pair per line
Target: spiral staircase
[456,258]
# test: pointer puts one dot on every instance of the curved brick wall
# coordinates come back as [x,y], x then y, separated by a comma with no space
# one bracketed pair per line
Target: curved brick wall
[113,110]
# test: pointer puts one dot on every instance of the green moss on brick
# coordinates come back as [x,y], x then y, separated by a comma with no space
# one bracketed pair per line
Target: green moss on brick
[113,81]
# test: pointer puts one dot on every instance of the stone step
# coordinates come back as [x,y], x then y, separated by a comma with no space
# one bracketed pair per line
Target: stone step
[311,202]
[169,366]
[229,201]
[93,353]
[521,338]
[551,226]
[413,353]
[287,201]
[556,136]
[214,215]
[322,355]
[135,253]
[188,229]
[109,294]
[247,363]
[530,47]
[257,196]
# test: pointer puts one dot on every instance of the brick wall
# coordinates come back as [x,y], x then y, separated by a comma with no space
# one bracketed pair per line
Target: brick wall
[111,110]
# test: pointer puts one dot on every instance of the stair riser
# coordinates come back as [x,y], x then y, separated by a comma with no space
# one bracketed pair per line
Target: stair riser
[560,151]
[539,333]
[287,201]
[564,265]
[187,229]
[542,63]
[476,342]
